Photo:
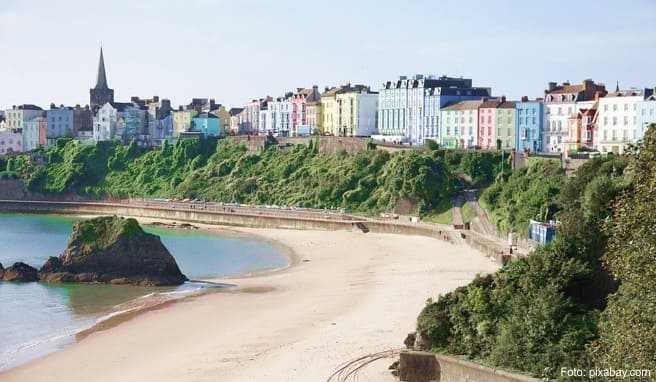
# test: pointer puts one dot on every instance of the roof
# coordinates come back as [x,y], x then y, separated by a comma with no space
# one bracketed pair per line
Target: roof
[631,93]
[206,115]
[567,89]
[506,105]
[235,110]
[463,105]
[493,104]
[122,106]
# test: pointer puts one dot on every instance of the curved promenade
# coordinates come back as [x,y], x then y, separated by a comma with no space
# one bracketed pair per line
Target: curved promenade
[232,215]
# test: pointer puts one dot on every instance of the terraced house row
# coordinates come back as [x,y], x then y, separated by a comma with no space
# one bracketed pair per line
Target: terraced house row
[409,110]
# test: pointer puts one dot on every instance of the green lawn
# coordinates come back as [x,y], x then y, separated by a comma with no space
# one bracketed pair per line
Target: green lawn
[441,215]
[468,213]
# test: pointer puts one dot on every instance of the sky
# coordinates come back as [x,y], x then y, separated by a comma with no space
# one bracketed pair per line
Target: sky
[237,50]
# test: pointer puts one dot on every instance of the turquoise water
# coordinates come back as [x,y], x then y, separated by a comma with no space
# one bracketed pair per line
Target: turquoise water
[37,318]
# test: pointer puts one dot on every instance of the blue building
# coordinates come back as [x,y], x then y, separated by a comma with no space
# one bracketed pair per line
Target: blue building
[61,123]
[206,123]
[529,125]
[542,233]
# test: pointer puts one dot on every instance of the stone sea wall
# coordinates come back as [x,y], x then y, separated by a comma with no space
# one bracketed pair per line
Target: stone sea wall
[428,367]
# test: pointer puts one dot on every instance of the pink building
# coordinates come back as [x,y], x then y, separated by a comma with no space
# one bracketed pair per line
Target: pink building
[43,130]
[299,121]
[487,126]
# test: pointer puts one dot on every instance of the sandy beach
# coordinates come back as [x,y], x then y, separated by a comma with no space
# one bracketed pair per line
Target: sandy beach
[349,294]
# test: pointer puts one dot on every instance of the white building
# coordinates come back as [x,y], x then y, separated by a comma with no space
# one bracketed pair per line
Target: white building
[105,123]
[619,121]
[279,116]
[560,105]
[409,108]
[646,113]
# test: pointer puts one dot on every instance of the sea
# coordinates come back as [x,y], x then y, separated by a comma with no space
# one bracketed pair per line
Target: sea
[38,318]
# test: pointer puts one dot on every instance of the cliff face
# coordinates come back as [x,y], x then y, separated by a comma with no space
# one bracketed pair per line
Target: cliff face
[113,250]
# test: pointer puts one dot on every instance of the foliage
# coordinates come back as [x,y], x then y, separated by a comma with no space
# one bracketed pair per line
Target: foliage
[540,313]
[368,181]
[627,329]
[527,193]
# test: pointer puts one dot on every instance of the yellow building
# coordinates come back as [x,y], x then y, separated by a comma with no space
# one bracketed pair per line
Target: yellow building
[313,116]
[330,111]
[350,111]
[224,118]
[182,121]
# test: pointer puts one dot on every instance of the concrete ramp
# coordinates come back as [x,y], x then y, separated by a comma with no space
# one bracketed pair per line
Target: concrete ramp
[362,227]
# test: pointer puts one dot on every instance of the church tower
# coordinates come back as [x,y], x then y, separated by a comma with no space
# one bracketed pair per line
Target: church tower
[101,93]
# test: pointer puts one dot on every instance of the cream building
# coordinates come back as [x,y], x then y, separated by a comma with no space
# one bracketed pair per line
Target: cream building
[350,111]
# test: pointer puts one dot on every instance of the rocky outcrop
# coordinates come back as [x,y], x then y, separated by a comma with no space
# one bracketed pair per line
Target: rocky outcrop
[20,272]
[113,250]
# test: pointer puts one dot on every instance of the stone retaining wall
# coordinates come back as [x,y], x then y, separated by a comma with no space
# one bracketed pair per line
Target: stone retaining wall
[417,366]
[327,145]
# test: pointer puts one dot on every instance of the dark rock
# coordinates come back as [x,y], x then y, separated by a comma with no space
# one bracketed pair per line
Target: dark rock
[113,250]
[418,367]
[409,341]
[20,272]
[51,265]
[2,271]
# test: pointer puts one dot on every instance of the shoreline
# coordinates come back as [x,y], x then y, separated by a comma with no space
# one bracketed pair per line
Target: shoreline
[262,285]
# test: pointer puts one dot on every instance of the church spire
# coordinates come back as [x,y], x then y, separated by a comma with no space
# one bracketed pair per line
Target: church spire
[101,80]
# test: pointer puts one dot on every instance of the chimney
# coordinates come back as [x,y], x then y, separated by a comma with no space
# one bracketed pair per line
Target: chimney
[566,83]
[484,99]
[524,98]
[503,99]
[52,106]
[552,86]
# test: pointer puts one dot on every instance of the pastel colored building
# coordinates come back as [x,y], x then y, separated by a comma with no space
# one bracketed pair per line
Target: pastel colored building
[505,136]
[61,122]
[11,140]
[237,117]
[132,123]
[560,105]
[619,122]
[299,118]
[409,108]
[581,127]
[207,124]
[17,116]
[357,111]
[487,124]
[35,134]
[121,121]
[330,111]
[182,121]
[459,125]
[530,120]
[313,114]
